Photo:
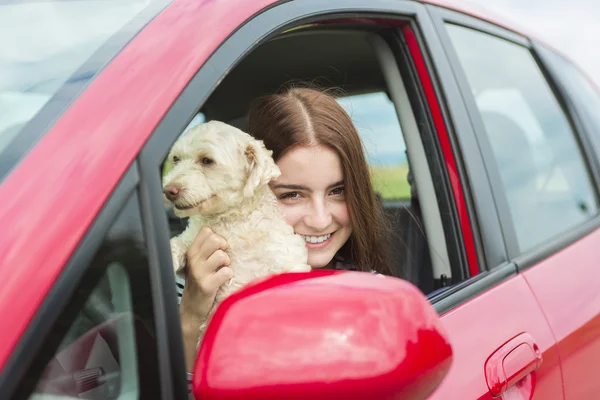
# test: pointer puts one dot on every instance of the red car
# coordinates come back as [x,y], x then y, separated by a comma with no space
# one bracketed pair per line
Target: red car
[484,145]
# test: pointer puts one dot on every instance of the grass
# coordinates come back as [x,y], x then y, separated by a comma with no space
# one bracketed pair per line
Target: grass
[391,182]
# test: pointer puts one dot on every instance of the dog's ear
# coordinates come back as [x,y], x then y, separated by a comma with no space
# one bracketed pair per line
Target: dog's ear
[261,167]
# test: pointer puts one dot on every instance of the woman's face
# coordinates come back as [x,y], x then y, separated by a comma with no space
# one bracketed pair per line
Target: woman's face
[311,196]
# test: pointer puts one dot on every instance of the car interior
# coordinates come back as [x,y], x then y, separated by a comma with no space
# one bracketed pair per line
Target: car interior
[361,69]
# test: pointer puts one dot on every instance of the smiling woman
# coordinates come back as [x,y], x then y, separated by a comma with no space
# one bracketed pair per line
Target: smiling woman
[49,52]
[324,192]
[314,204]
[318,148]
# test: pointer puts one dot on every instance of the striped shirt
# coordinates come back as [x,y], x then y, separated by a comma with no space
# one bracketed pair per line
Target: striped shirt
[180,282]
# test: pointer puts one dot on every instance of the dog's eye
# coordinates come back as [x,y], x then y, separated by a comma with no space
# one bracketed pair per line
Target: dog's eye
[206,161]
[175,159]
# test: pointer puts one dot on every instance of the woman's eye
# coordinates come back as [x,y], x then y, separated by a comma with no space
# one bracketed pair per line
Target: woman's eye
[206,161]
[289,195]
[175,159]
[337,191]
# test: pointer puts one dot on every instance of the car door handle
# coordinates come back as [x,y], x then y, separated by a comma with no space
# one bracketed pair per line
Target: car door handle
[512,362]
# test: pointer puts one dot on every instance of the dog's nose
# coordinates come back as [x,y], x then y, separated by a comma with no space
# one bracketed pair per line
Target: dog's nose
[172,191]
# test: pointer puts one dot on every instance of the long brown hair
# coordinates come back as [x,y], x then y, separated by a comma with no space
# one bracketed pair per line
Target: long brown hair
[301,116]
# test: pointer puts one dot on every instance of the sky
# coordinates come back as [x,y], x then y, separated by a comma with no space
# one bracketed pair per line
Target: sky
[571,26]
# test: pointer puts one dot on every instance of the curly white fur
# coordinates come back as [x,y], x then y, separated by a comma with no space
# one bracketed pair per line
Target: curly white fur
[230,194]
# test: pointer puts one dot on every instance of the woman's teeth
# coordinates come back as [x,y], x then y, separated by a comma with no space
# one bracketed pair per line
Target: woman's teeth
[316,239]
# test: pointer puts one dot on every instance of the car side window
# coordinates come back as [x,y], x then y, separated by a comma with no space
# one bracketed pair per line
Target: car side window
[359,70]
[377,123]
[103,346]
[542,169]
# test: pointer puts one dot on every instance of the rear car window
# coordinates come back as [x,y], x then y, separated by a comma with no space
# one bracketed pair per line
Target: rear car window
[45,49]
[542,169]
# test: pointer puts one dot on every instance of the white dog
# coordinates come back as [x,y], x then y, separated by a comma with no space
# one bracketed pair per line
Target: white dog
[220,179]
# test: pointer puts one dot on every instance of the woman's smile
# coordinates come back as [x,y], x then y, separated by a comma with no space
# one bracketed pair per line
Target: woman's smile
[311,195]
[317,242]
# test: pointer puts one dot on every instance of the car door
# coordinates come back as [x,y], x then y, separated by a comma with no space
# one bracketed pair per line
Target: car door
[96,335]
[548,180]
[503,343]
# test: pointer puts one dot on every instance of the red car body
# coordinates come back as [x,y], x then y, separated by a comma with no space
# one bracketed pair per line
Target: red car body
[544,320]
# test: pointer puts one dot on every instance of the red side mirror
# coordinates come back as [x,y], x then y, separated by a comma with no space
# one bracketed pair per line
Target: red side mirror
[323,335]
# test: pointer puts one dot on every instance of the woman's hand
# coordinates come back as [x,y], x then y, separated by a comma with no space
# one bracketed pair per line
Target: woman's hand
[205,273]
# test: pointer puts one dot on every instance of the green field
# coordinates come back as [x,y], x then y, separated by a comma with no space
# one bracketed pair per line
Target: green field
[391,182]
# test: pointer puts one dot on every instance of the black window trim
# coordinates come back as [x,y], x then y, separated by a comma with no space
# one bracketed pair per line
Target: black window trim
[467,290]
[551,246]
[556,244]
[167,321]
[63,288]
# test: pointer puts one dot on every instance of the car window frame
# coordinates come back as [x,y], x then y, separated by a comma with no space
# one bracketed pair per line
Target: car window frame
[522,260]
[430,140]
[75,269]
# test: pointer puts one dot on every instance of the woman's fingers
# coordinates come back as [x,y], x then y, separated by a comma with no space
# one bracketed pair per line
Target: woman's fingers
[205,244]
[204,275]
[207,270]
[206,256]
[219,278]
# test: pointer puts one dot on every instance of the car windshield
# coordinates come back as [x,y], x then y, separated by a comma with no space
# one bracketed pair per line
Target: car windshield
[44,49]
